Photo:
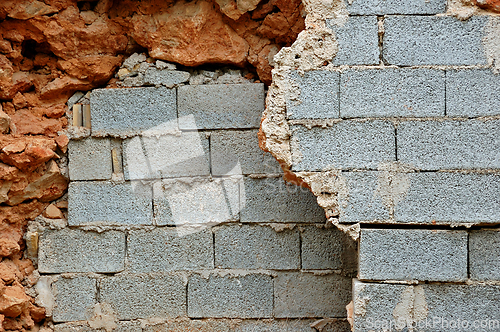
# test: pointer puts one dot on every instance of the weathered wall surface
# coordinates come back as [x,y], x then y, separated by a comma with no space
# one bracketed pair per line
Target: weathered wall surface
[178,221]
[398,140]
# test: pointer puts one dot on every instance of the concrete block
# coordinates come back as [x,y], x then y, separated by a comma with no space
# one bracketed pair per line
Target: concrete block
[238,152]
[428,307]
[286,325]
[165,249]
[122,203]
[256,247]
[155,295]
[358,41]
[318,95]
[73,250]
[392,92]
[126,112]
[246,296]
[272,200]
[124,326]
[345,145]
[360,198]
[387,7]
[166,156]
[74,298]
[90,159]
[413,254]
[298,294]
[192,325]
[435,145]
[327,249]
[484,255]
[450,197]
[434,40]
[196,201]
[220,106]
[472,92]
[166,77]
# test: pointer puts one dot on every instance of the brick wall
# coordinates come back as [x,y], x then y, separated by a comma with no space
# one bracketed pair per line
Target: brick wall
[178,221]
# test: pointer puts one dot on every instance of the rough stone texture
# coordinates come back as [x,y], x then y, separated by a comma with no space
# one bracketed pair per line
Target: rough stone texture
[345,145]
[166,77]
[309,295]
[196,202]
[237,152]
[381,7]
[124,203]
[413,254]
[246,296]
[256,247]
[154,295]
[90,159]
[450,197]
[491,5]
[166,156]
[318,98]
[358,41]
[433,304]
[121,112]
[272,200]
[327,248]
[74,298]
[392,92]
[73,250]
[434,40]
[465,91]
[78,327]
[220,106]
[484,249]
[434,145]
[167,249]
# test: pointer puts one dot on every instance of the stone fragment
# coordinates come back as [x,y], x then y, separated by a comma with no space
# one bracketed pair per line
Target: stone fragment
[53,212]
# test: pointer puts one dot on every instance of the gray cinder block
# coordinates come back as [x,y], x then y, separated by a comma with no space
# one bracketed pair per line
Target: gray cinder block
[167,249]
[125,112]
[125,326]
[392,92]
[359,199]
[196,201]
[166,77]
[272,200]
[123,203]
[166,156]
[73,250]
[318,95]
[327,248]
[247,296]
[428,307]
[238,152]
[484,255]
[256,247]
[472,92]
[413,254]
[358,41]
[90,159]
[387,7]
[434,40]
[74,298]
[450,197]
[152,295]
[299,294]
[345,145]
[434,145]
[220,106]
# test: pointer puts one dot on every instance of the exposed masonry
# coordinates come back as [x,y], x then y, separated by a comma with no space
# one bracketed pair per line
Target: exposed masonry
[389,112]
[178,221]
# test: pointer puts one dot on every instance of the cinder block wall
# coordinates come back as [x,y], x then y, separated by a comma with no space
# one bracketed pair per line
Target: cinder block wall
[177,221]
[408,116]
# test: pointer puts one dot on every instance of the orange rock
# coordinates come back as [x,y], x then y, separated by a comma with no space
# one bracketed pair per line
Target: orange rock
[23,122]
[24,10]
[8,247]
[52,212]
[19,101]
[14,301]
[491,5]
[190,33]
[9,272]
[96,69]
[7,172]
[29,159]
[4,122]
[37,313]
[62,142]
